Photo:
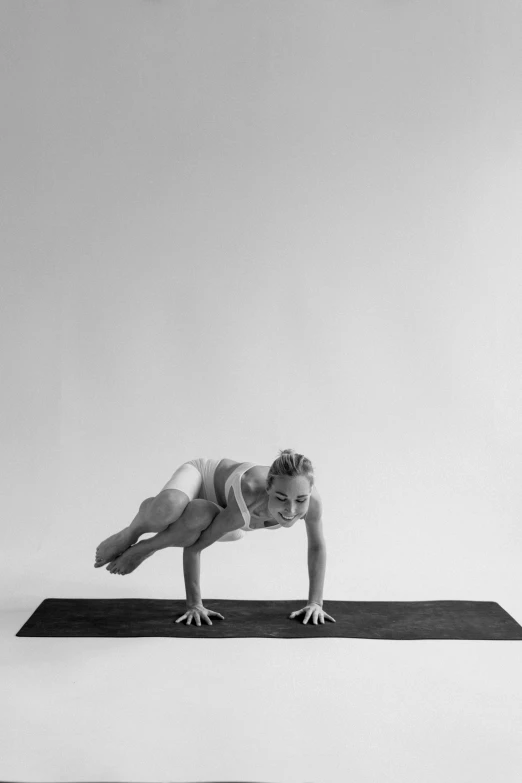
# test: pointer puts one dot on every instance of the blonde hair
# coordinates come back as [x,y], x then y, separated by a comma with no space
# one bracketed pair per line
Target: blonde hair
[289,463]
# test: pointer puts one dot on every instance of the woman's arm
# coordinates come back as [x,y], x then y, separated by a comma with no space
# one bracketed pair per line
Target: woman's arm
[316,573]
[195,610]
[316,567]
[191,573]
[316,552]
[225,521]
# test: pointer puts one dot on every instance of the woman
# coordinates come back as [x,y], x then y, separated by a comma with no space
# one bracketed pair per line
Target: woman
[209,500]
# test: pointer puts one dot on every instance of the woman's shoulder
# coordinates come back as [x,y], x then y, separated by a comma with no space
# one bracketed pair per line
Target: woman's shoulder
[315,495]
[315,508]
[253,480]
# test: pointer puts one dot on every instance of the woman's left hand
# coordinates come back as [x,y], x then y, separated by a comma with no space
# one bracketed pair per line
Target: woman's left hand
[315,611]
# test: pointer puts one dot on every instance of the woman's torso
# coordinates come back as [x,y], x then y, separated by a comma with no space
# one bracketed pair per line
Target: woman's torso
[253,489]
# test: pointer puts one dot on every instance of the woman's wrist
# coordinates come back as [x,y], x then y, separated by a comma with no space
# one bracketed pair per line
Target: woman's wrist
[193,596]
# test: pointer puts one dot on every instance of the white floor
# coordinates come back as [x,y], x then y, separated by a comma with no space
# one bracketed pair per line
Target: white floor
[259,710]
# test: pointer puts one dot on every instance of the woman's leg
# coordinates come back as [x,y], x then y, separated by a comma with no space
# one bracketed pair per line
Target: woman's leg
[154,514]
[197,516]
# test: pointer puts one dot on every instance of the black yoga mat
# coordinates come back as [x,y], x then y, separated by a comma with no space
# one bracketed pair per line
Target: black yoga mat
[269,619]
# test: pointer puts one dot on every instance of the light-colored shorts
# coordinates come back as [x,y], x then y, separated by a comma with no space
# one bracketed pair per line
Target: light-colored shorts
[196,479]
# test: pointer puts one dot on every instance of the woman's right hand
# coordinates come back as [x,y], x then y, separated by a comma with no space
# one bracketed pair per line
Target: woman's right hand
[196,612]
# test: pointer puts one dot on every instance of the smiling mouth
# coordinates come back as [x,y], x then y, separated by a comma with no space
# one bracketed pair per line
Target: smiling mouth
[287,519]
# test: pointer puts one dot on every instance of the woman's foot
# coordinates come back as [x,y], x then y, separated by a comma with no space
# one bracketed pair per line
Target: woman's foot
[130,559]
[114,546]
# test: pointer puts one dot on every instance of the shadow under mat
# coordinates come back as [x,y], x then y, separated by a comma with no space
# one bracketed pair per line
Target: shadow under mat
[127,617]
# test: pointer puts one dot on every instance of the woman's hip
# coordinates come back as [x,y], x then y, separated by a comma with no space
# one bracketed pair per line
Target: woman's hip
[195,478]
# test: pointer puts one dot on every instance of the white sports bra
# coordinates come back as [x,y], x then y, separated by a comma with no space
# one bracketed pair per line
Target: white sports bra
[234,481]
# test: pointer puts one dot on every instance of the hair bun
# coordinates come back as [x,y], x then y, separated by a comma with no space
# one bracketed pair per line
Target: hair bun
[290,463]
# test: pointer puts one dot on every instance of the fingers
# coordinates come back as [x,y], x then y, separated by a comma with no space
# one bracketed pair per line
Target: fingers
[210,611]
[318,615]
[313,613]
[187,614]
[196,617]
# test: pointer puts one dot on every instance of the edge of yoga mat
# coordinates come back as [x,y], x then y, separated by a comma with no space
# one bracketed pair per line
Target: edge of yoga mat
[398,620]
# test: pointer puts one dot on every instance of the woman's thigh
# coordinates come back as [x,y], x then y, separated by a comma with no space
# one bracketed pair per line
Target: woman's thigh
[186,479]
[199,514]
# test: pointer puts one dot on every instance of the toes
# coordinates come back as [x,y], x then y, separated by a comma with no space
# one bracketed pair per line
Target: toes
[115,568]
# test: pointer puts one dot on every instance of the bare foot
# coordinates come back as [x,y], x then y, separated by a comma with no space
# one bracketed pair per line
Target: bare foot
[130,559]
[114,546]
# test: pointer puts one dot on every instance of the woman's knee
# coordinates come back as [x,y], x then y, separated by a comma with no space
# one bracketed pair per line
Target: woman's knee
[166,507]
[145,504]
[199,513]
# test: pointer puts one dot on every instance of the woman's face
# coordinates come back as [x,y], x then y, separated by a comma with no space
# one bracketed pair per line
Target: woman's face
[288,499]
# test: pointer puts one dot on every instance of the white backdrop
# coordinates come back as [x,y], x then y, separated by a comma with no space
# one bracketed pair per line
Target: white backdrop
[234,227]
